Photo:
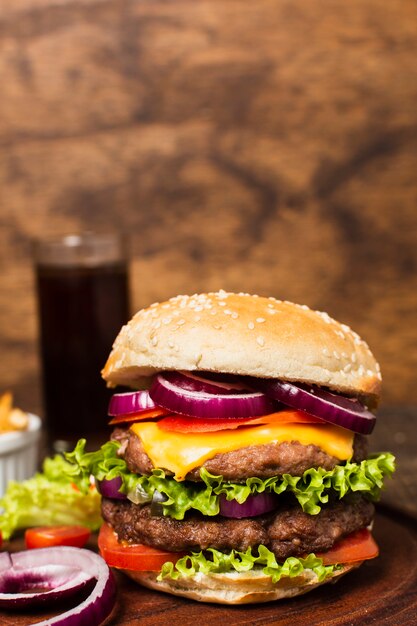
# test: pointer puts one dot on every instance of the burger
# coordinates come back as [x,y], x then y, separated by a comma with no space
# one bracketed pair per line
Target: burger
[237,470]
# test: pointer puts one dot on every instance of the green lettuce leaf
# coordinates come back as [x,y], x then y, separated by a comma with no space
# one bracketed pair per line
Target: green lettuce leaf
[48,498]
[215,562]
[311,490]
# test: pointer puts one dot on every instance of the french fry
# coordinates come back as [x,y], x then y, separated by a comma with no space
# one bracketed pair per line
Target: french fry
[11,418]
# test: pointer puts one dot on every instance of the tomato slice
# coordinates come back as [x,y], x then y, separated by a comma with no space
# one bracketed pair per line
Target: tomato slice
[136,417]
[183,424]
[47,536]
[135,557]
[358,546]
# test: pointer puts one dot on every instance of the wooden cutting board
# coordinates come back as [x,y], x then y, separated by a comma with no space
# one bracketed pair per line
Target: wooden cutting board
[382,591]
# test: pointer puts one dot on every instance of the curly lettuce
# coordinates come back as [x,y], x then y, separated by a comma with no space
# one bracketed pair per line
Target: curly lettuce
[311,490]
[48,498]
[214,562]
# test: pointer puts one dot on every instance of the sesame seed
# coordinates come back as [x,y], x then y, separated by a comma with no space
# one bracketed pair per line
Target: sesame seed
[198,308]
[336,354]
[217,326]
[227,312]
[235,315]
[325,317]
[325,351]
[154,341]
[353,358]
[181,322]
[260,320]
[347,367]
[166,320]
[260,340]
[171,344]
[213,312]
[251,325]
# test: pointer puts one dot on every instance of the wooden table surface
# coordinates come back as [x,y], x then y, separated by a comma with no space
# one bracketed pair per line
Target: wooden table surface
[382,591]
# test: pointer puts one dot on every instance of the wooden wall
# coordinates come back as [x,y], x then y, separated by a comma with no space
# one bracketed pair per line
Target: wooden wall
[266,146]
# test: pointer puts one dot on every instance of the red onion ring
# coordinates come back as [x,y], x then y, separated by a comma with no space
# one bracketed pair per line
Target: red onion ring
[336,409]
[182,394]
[254,505]
[130,402]
[110,488]
[209,382]
[72,569]
[52,583]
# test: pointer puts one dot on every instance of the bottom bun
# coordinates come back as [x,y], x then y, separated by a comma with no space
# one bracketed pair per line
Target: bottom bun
[236,588]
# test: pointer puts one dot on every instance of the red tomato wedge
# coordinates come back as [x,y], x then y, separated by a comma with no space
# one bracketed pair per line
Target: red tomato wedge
[135,557]
[183,424]
[47,536]
[137,417]
[358,546]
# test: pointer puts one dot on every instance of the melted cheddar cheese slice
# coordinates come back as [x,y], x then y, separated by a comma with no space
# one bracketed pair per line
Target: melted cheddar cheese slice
[182,452]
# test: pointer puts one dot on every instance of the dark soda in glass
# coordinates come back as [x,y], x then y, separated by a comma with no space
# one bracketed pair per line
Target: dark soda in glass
[82,308]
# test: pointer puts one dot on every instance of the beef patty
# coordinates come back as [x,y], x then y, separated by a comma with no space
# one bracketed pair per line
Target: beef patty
[287,532]
[264,461]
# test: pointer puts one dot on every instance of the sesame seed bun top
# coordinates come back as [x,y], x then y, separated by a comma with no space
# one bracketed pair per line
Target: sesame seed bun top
[242,334]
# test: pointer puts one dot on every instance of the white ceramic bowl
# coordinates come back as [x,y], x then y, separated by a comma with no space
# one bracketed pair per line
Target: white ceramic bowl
[19,453]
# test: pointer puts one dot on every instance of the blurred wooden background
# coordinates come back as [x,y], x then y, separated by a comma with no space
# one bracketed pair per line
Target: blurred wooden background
[265,146]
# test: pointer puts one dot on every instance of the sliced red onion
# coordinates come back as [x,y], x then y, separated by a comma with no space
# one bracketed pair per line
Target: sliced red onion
[5,561]
[256,504]
[158,498]
[209,382]
[65,570]
[110,488]
[182,394]
[40,585]
[346,412]
[130,402]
